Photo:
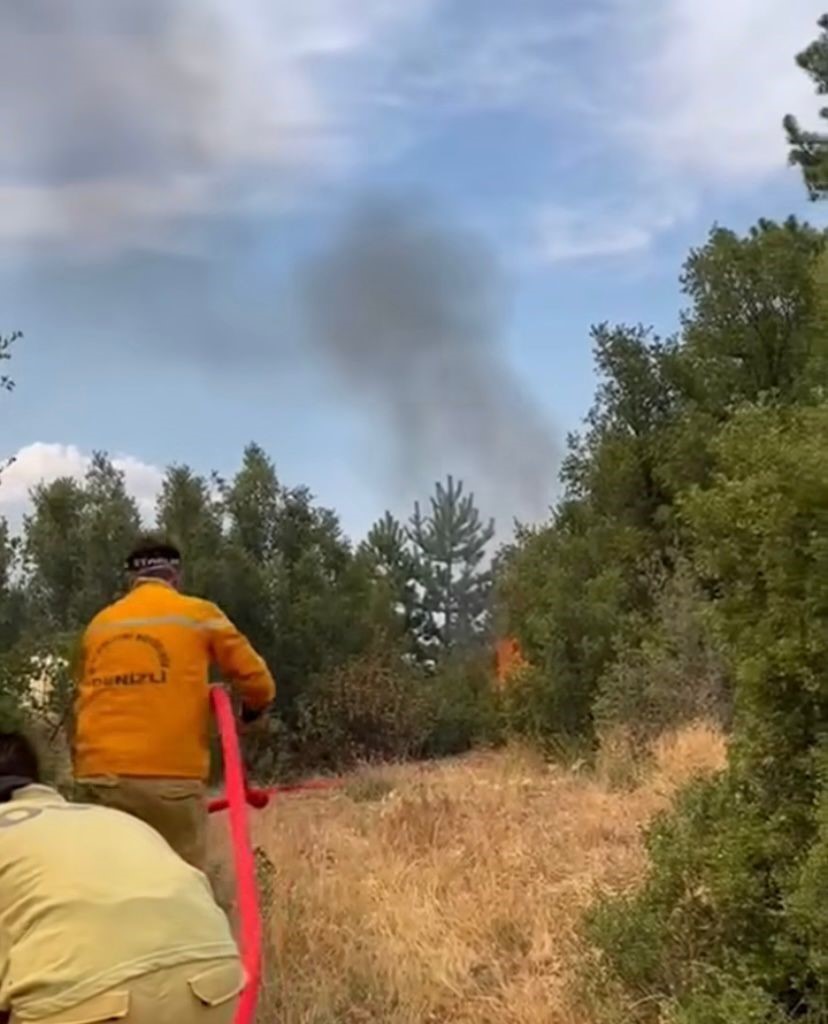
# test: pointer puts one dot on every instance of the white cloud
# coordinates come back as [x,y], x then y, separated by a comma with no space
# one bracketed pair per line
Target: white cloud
[570,233]
[129,116]
[43,462]
[710,82]
[687,96]
[511,62]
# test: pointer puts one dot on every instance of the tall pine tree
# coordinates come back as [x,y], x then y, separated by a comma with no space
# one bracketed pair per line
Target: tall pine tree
[250,579]
[809,149]
[451,542]
[190,516]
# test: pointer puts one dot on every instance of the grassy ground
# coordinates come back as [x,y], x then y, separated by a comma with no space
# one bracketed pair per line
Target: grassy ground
[453,892]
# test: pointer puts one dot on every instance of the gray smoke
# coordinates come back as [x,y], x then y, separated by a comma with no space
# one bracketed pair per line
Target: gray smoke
[408,311]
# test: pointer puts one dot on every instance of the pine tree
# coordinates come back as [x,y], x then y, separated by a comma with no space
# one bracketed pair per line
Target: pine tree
[188,514]
[809,150]
[389,551]
[252,503]
[250,567]
[111,521]
[451,542]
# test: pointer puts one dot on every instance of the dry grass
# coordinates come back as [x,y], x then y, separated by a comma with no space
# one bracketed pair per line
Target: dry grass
[453,892]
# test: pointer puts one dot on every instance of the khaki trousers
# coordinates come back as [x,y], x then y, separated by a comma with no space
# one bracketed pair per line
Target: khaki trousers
[176,808]
[196,993]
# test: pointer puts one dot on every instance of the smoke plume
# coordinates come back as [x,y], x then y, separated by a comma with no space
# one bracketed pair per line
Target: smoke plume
[408,311]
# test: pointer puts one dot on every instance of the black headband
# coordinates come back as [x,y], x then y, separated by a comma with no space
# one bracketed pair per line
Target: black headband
[153,560]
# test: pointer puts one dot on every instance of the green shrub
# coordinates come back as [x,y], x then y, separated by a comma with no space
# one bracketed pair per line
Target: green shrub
[463,710]
[534,709]
[732,917]
[669,672]
[374,707]
[567,593]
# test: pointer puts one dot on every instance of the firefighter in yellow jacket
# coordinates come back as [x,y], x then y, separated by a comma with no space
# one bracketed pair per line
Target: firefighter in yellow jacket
[99,919]
[142,714]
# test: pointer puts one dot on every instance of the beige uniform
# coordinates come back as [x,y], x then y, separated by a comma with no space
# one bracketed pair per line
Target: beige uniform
[100,920]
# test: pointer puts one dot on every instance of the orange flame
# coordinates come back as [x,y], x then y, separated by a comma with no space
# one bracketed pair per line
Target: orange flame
[508,659]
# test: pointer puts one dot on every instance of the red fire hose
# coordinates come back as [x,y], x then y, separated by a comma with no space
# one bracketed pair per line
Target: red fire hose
[261,797]
[250,939]
[237,797]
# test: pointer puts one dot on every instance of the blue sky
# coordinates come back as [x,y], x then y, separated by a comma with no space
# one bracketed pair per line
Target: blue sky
[175,170]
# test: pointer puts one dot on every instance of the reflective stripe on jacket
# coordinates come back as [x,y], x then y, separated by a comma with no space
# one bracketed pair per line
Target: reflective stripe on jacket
[142,702]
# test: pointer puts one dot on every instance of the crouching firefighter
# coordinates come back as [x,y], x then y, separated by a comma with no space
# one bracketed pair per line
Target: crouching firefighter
[99,919]
[142,706]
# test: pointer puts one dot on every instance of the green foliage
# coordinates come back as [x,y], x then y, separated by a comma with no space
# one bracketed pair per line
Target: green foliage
[12,605]
[463,708]
[190,515]
[371,708]
[668,672]
[685,573]
[809,149]
[732,899]
[613,469]
[53,552]
[381,706]
[35,696]
[760,532]
[75,541]
[6,342]
[109,525]
[569,591]
[581,593]
[400,572]
[749,330]
[326,618]
[451,544]
[279,567]
[326,608]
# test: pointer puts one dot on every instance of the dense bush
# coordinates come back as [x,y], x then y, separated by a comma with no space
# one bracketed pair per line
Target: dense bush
[669,673]
[382,706]
[373,707]
[463,710]
[731,923]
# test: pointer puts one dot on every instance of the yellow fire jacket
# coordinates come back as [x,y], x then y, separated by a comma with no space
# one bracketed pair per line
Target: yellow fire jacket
[142,700]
